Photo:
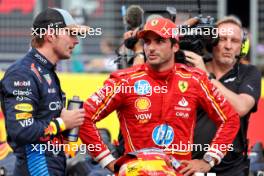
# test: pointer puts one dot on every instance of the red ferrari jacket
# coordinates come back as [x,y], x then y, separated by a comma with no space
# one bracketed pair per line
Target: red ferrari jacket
[159,110]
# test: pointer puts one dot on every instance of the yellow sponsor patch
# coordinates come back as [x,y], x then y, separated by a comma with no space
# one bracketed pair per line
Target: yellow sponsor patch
[183,86]
[142,104]
[23,115]
[26,107]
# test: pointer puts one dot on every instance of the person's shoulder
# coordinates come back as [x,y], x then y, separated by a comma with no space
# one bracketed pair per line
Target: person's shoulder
[129,72]
[188,71]
[249,66]
[250,69]
[20,67]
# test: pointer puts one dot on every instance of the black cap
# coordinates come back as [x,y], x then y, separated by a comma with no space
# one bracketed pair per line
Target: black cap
[57,18]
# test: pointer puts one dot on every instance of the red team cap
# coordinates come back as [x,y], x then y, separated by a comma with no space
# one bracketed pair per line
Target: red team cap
[164,27]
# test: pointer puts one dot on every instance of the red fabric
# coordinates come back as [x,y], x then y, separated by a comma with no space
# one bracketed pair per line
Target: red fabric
[25,6]
[140,115]
[164,27]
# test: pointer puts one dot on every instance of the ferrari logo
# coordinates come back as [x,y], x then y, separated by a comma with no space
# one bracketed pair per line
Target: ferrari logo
[183,86]
[154,22]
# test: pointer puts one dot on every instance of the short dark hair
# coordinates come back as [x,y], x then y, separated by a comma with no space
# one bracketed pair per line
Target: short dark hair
[173,41]
[37,41]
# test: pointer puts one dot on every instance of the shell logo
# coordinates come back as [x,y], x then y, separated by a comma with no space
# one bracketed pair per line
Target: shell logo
[142,104]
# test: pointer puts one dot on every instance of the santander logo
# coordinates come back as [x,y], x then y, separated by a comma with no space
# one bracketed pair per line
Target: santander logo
[183,102]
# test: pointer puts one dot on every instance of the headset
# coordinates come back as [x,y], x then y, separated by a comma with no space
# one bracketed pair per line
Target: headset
[245,45]
[243,52]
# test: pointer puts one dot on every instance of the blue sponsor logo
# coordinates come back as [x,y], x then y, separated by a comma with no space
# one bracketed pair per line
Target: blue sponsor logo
[163,135]
[142,87]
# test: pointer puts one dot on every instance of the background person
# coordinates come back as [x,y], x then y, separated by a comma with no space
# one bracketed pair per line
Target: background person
[240,85]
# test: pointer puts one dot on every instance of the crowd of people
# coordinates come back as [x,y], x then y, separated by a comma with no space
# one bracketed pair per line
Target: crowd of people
[160,103]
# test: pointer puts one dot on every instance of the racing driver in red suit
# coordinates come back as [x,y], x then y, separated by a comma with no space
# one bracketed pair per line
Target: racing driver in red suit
[156,105]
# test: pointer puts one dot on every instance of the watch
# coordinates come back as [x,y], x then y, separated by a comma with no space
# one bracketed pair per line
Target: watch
[209,159]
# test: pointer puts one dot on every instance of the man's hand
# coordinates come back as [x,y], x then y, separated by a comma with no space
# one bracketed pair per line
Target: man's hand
[111,166]
[195,60]
[138,47]
[72,118]
[193,166]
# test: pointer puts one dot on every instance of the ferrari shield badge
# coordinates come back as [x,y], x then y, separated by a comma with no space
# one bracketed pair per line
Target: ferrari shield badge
[183,86]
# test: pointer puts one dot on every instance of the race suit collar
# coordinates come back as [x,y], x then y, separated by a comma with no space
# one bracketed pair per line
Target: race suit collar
[159,75]
[42,59]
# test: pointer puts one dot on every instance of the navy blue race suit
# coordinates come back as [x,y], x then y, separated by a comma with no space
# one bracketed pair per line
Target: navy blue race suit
[32,102]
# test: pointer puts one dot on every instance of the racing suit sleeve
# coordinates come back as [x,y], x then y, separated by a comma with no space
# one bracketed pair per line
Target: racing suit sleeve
[224,116]
[98,106]
[20,106]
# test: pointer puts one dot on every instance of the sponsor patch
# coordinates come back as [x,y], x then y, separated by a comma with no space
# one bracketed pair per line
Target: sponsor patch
[40,58]
[96,99]
[183,86]
[142,104]
[101,93]
[26,122]
[51,90]
[48,78]
[22,98]
[26,92]
[184,115]
[51,129]
[163,135]
[26,107]
[40,70]
[142,87]
[22,83]
[33,68]
[56,105]
[23,116]
[143,118]
[182,108]
[183,102]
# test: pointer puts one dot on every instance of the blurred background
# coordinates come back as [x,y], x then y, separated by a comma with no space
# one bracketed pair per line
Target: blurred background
[16,21]
[94,57]
[96,53]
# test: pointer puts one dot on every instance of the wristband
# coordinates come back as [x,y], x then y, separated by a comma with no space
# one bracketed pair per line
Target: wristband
[61,124]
